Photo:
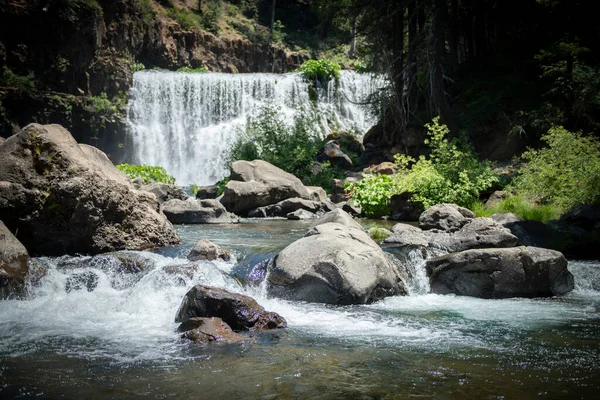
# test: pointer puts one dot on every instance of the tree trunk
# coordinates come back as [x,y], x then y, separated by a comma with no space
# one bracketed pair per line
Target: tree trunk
[353,40]
[411,81]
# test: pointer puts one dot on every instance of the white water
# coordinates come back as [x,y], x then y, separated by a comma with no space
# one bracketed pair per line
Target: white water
[187,122]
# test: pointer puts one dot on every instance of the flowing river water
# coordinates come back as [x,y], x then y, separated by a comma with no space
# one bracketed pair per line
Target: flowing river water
[92,330]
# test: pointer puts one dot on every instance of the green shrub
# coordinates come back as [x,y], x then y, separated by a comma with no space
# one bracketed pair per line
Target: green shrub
[194,189]
[21,83]
[520,206]
[451,174]
[564,173]
[147,172]
[135,67]
[221,186]
[320,69]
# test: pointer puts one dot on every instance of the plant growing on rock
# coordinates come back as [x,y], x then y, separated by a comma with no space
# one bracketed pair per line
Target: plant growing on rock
[147,172]
[320,70]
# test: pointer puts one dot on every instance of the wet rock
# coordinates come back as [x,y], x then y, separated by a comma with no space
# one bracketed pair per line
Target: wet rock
[501,273]
[447,217]
[13,263]
[240,312]
[163,191]
[68,198]
[87,280]
[194,211]
[334,264]
[205,330]
[256,184]
[206,250]
[207,192]
[301,215]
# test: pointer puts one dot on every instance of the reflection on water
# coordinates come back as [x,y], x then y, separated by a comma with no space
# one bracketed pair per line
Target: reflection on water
[113,336]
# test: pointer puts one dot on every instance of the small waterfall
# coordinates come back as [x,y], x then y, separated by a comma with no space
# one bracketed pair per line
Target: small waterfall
[187,122]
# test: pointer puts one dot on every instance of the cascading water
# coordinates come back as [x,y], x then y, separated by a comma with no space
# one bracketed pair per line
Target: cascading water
[187,122]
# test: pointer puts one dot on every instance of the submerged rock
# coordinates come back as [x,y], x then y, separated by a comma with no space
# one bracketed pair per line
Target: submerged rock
[501,273]
[194,211]
[240,312]
[64,197]
[256,184]
[205,330]
[13,263]
[335,264]
[206,250]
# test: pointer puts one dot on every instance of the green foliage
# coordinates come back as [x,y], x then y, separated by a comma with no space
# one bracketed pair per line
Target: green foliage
[145,9]
[147,172]
[372,194]
[103,110]
[221,186]
[291,148]
[193,189]
[565,172]
[320,69]
[135,67]
[379,234]
[451,174]
[186,19]
[21,83]
[193,70]
[212,13]
[278,36]
[520,206]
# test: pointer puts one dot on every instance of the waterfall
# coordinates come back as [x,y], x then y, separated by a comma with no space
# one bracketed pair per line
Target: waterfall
[187,122]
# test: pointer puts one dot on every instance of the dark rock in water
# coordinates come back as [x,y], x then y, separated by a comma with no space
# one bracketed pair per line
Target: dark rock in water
[334,264]
[163,191]
[206,250]
[447,217]
[194,211]
[68,198]
[476,233]
[87,280]
[333,153]
[207,192]
[501,273]
[256,184]
[301,215]
[535,233]
[237,310]
[13,264]
[402,208]
[205,330]
[584,216]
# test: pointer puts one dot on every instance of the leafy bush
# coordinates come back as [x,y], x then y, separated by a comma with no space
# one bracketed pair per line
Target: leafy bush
[193,189]
[451,174]
[135,67]
[320,69]
[564,173]
[147,172]
[521,207]
[21,83]
[193,70]
[221,186]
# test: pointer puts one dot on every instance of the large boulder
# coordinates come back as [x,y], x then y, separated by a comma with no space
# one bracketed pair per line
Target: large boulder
[403,208]
[163,191]
[337,216]
[13,263]
[240,312]
[192,211]
[333,153]
[446,217]
[476,233]
[68,198]
[334,264]
[257,183]
[501,273]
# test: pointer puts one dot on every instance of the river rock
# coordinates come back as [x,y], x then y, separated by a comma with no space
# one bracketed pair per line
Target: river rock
[301,215]
[447,217]
[206,250]
[501,273]
[68,198]
[205,330]
[164,191]
[337,216]
[334,264]
[13,263]
[256,184]
[333,153]
[317,193]
[240,312]
[192,211]
[207,192]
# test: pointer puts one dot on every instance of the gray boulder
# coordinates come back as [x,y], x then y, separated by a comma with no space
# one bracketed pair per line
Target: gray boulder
[257,183]
[337,216]
[164,191]
[446,217]
[206,250]
[68,198]
[334,264]
[501,273]
[317,193]
[13,263]
[207,192]
[284,207]
[240,312]
[301,215]
[194,211]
